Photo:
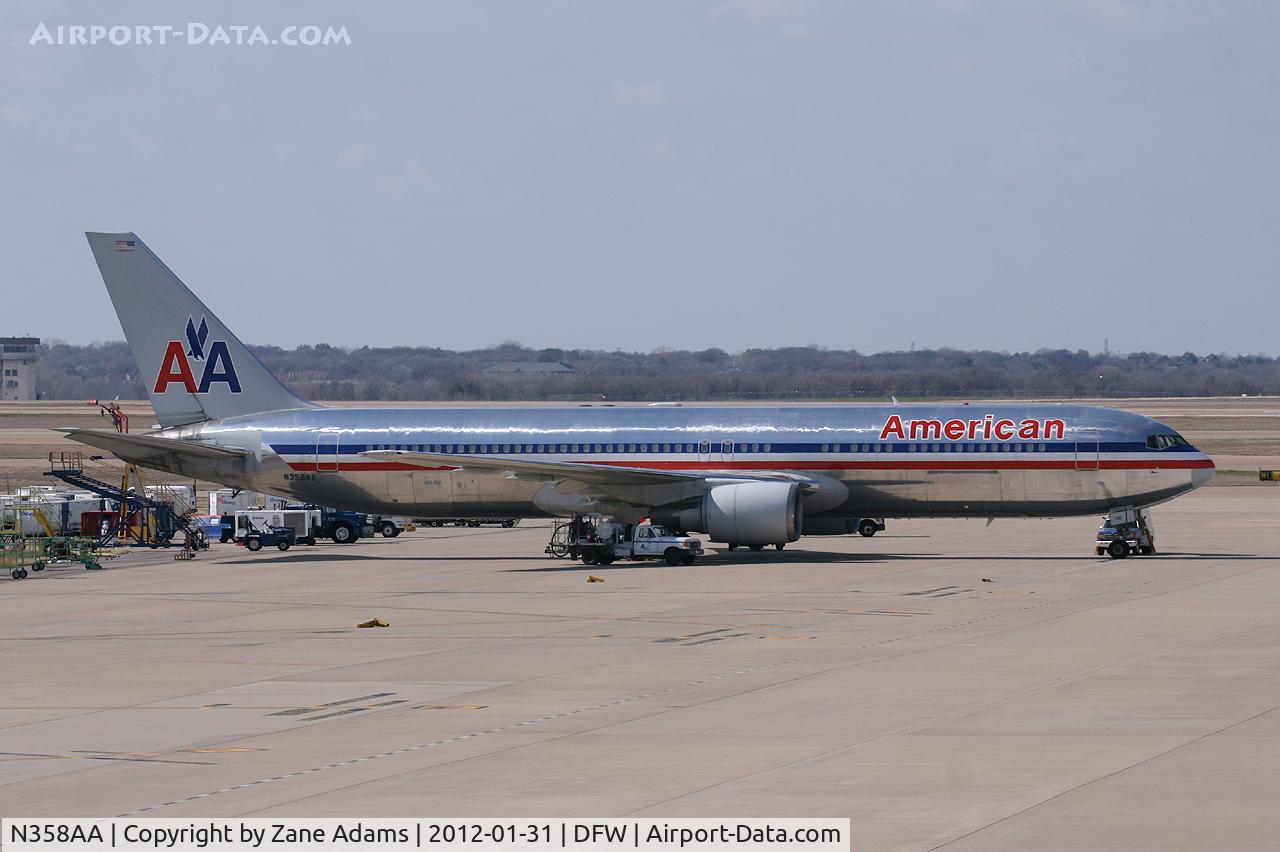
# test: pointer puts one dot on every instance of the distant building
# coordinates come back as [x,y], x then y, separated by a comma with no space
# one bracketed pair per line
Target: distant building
[530,367]
[17,368]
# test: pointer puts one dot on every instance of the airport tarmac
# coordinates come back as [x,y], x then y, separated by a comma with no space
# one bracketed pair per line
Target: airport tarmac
[1070,702]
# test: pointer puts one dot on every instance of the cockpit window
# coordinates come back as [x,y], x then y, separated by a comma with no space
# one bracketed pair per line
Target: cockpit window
[1164,442]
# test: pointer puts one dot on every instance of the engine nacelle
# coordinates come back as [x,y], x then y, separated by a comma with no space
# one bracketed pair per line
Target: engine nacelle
[742,513]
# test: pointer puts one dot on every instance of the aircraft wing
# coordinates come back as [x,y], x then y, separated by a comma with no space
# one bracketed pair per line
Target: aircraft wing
[592,474]
[138,448]
[601,474]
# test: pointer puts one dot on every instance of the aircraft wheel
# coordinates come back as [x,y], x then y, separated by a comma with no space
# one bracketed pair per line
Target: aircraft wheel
[673,556]
[866,529]
[37,566]
[780,545]
[1118,549]
[508,523]
[16,573]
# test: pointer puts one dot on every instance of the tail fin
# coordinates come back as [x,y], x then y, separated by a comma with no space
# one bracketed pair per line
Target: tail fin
[193,366]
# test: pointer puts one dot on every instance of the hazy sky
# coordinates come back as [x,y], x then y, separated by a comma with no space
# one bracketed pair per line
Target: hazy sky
[1003,174]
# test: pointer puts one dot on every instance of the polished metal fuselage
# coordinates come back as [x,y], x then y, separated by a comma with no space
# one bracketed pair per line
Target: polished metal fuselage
[1099,460]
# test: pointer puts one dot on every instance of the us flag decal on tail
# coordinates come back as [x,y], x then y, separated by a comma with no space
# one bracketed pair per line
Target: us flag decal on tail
[124,245]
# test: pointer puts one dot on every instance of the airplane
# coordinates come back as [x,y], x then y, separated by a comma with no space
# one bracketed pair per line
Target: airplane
[744,475]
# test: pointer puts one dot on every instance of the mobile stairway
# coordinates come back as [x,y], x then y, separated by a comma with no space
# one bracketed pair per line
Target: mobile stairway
[139,518]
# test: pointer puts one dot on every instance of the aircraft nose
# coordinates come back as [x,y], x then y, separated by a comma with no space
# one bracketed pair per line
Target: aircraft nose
[1202,475]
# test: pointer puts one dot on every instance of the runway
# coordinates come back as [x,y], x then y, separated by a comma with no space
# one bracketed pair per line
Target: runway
[944,684]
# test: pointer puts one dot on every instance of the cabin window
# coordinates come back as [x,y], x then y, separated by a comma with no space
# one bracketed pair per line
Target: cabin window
[755,448]
[608,448]
[631,448]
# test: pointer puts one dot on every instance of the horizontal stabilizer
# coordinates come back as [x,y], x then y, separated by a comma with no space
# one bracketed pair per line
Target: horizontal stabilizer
[138,448]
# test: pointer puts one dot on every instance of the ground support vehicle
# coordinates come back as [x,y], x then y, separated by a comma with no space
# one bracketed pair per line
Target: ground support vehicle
[342,526]
[257,538]
[139,518]
[303,522]
[602,542]
[389,527]
[227,528]
[22,555]
[1125,532]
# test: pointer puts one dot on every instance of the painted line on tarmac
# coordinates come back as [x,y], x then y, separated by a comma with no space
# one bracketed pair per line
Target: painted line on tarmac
[459,738]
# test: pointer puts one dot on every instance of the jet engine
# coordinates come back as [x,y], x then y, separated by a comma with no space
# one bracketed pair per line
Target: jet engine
[741,513]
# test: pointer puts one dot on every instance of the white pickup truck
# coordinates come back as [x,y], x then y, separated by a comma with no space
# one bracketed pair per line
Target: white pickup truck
[647,541]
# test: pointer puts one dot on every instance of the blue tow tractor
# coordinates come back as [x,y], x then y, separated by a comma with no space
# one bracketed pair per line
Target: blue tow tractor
[265,536]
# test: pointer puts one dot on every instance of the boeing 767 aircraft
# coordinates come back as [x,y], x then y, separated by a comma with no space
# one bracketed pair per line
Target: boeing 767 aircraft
[743,475]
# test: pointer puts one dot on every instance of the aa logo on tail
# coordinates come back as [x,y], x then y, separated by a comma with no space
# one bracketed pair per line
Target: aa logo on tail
[217,364]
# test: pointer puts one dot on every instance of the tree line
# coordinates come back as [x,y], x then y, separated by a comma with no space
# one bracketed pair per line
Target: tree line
[323,372]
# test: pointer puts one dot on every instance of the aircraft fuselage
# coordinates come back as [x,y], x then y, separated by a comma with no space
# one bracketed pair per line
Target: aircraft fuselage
[890,461]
